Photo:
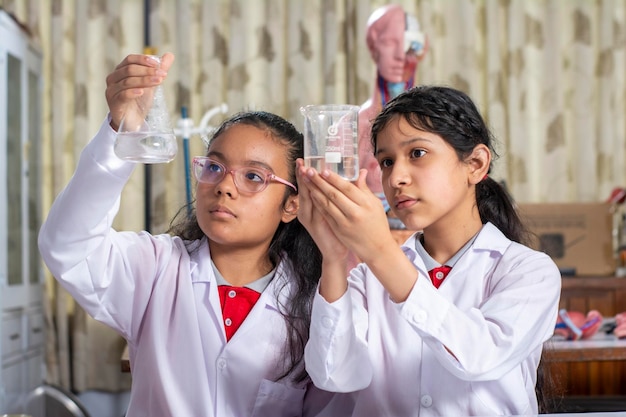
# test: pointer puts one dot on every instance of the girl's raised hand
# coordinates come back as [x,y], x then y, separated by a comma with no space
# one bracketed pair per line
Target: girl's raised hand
[352,212]
[126,84]
[313,220]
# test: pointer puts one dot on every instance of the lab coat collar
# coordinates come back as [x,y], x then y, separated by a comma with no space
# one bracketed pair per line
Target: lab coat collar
[490,238]
[199,262]
[202,271]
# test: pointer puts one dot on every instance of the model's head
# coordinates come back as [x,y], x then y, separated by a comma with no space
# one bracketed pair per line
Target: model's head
[385,41]
[395,42]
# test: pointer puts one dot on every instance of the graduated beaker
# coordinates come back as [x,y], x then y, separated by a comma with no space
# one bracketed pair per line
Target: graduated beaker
[331,138]
[145,133]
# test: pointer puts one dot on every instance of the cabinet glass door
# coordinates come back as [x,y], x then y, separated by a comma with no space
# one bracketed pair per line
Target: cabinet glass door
[34,176]
[14,171]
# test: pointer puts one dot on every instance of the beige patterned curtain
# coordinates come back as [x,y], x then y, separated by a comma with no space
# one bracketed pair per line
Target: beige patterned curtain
[549,76]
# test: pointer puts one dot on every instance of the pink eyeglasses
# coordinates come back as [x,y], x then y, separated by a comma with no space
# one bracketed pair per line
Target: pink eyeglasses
[249,179]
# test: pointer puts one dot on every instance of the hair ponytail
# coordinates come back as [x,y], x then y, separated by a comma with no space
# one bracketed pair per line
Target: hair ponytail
[495,205]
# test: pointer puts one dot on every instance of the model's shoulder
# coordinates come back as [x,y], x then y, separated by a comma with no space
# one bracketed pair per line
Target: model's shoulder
[368,111]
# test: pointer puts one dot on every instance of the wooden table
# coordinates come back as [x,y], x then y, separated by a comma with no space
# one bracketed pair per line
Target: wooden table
[601,347]
[592,377]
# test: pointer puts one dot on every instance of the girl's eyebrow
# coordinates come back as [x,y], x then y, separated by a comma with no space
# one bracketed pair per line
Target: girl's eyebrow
[254,163]
[404,143]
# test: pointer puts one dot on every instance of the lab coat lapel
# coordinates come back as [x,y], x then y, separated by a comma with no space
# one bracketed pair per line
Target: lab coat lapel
[476,264]
[207,295]
[266,310]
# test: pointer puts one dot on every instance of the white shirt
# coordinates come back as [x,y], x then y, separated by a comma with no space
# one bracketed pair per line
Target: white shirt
[164,301]
[493,312]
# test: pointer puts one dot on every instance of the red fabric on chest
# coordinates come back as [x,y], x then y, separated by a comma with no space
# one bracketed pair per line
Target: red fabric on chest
[437,275]
[236,303]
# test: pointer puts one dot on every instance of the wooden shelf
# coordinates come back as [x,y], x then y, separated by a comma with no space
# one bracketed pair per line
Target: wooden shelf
[594,373]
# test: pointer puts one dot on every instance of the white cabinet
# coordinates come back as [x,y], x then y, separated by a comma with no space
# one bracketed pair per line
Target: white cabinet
[21,274]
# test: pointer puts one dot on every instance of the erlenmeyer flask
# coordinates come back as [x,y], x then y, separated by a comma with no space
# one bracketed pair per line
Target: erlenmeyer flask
[145,133]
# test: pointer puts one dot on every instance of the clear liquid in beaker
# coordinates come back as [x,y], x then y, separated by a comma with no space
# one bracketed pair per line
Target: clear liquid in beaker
[347,167]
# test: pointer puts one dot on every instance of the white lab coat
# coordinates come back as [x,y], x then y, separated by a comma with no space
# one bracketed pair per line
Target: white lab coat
[493,312]
[165,302]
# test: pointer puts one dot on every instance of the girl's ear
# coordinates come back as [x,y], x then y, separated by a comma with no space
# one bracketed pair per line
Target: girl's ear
[479,163]
[290,209]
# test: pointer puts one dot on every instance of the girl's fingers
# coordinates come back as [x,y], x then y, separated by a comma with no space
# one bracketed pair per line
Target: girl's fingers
[129,79]
[140,59]
[361,182]
[335,192]
[166,61]
[136,76]
[354,191]
[133,65]
[139,71]
[309,188]
[341,202]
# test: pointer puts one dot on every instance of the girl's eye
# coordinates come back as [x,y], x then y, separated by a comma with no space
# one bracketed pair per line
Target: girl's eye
[385,163]
[213,168]
[417,153]
[254,176]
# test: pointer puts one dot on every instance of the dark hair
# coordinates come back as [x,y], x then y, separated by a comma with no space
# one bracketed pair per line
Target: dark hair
[291,241]
[453,116]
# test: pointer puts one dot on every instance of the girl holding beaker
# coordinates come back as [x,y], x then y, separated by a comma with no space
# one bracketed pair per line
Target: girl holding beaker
[453,322]
[216,314]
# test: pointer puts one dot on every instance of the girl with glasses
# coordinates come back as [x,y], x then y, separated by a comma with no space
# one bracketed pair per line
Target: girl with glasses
[216,313]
